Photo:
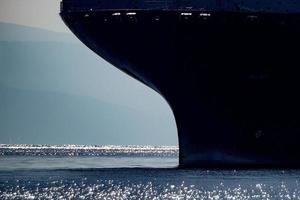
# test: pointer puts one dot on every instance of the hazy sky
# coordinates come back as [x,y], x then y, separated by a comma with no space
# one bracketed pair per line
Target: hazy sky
[35,13]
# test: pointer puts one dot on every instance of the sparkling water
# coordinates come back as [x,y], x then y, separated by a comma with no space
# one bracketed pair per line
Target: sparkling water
[129,172]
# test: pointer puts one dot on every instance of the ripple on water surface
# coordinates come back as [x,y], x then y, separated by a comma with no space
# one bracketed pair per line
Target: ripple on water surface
[149,184]
[87,150]
[129,172]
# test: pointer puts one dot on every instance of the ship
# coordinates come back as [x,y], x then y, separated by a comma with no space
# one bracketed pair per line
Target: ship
[229,69]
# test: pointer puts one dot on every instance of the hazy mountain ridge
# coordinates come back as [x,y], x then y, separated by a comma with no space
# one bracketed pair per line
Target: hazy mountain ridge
[71,68]
[48,116]
[57,91]
[14,32]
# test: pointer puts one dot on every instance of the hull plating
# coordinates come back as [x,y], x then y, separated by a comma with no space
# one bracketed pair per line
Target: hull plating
[232,79]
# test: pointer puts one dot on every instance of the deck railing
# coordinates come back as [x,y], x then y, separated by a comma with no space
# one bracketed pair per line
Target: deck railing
[118,4]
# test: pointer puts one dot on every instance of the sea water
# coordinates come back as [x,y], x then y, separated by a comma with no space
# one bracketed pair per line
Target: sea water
[129,172]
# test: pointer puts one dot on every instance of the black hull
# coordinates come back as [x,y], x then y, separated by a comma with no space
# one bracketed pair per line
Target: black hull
[231,79]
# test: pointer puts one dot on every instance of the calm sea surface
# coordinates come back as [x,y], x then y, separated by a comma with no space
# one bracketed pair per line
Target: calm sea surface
[129,172]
